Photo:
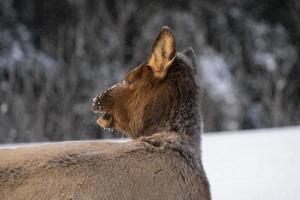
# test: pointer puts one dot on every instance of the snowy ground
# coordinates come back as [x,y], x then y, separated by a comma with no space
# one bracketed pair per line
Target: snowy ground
[254,165]
[251,165]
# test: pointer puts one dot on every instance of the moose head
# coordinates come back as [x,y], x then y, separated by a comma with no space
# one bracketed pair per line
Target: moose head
[159,95]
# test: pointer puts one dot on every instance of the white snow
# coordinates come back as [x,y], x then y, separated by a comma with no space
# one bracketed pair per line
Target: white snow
[215,75]
[266,59]
[250,165]
[253,165]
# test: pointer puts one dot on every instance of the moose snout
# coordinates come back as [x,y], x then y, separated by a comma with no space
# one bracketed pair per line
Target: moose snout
[104,101]
[102,104]
[96,104]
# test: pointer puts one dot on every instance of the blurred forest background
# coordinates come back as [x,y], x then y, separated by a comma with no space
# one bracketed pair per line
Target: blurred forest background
[55,55]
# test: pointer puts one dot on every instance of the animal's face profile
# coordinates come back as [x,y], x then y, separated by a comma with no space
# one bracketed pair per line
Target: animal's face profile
[153,96]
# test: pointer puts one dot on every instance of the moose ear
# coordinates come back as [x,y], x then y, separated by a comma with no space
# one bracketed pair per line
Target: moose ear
[163,53]
[190,54]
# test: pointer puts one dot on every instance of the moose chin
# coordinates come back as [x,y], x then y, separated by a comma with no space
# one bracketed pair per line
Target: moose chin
[157,106]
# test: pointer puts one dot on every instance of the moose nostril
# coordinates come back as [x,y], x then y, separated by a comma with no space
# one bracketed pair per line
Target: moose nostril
[106,116]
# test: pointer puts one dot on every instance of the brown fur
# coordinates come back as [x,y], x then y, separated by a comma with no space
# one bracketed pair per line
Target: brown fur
[157,105]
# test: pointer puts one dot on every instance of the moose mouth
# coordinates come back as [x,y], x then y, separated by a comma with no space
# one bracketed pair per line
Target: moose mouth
[105,120]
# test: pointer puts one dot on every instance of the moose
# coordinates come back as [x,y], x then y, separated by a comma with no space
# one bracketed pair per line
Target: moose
[157,105]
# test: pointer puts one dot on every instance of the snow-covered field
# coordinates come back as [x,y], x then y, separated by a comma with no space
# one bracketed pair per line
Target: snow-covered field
[251,165]
[254,165]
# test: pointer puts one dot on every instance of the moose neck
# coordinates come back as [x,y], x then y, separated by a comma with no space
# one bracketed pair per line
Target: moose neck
[184,116]
[187,124]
